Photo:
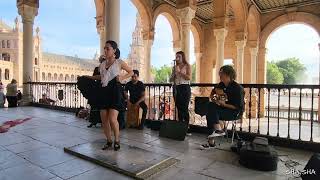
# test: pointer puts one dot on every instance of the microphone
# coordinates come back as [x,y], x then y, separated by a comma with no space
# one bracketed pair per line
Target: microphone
[174,60]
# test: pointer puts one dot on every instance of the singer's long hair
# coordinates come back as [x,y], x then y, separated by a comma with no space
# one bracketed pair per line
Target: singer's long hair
[184,61]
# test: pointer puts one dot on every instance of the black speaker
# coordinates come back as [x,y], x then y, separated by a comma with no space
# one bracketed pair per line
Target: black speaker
[173,129]
[312,170]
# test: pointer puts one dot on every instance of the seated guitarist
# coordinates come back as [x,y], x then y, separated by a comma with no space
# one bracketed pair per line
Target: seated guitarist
[226,104]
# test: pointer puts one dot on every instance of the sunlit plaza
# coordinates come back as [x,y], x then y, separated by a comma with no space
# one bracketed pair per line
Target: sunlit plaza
[274,47]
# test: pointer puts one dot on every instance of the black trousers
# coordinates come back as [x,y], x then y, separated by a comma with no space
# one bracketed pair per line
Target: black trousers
[182,94]
[216,113]
[122,119]
[12,101]
[144,108]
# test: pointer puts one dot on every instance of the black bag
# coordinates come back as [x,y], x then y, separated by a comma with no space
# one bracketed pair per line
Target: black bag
[173,129]
[312,170]
[259,155]
[155,125]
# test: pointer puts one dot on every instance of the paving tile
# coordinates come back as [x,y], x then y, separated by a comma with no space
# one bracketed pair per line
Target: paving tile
[99,174]
[25,171]
[71,168]
[46,157]
[9,159]
[13,138]
[26,146]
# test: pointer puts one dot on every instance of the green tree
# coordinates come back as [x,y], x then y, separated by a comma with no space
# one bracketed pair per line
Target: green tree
[292,69]
[193,70]
[161,74]
[274,75]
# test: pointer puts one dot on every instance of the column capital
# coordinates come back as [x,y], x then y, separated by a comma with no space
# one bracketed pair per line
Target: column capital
[148,35]
[263,50]
[220,34]
[253,43]
[28,13]
[240,35]
[253,51]
[240,44]
[186,15]
[32,3]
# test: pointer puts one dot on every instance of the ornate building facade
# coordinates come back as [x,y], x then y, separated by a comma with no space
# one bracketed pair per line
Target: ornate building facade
[47,67]
[136,57]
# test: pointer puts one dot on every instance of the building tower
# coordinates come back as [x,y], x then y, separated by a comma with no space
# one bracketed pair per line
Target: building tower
[136,56]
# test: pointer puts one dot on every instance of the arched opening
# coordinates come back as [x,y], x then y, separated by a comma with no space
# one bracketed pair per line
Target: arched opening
[72,78]
[35,61]
[293,55]
[6,56]
[3,44]
[60,77]
[67,78]
[162,52]
[49,77]
[36,76]
[8,44]
[55,77]
[6,74]
[0,74]
[43,76]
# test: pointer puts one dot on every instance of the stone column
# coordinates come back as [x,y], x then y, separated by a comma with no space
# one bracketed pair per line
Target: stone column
[262,76]
[198,64]
[240,56]
[220,38]
[253,54]
[28,14]
[148,38]
[185,15]
[112,20]
[176,46]
[101,31]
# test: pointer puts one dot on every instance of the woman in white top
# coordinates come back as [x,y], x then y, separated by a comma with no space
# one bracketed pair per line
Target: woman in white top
[112,91]
[181,75]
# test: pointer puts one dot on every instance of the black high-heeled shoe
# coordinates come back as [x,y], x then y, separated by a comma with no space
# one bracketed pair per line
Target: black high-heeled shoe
[107,145]
[90,126]
[116,146]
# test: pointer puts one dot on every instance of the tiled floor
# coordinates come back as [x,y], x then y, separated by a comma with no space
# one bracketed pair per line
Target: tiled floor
[34,151]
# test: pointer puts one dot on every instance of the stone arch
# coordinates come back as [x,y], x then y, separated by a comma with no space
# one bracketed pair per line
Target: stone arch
[239,8]
[6,74]
[99,7]
[49,77]
[72,77]
[67,77]
[197,35]
[43,76]
[141,6]
[144,13]
[55,77]
[293,17]
[0,74]
[61,77]
[253,24]
[6,56]
[170,13]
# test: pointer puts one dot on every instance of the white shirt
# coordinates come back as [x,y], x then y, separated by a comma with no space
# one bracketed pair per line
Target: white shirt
[108,74]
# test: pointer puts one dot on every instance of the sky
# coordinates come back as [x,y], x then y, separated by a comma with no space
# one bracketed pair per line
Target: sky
[71,30]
